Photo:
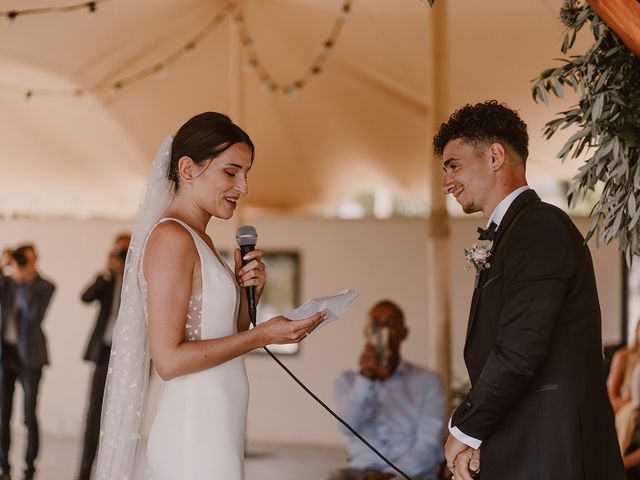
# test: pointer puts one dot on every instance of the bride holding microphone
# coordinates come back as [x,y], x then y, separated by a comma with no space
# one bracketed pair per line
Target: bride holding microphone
[185,312]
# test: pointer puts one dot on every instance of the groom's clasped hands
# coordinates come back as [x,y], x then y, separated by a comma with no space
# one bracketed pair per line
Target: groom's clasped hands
[463,461]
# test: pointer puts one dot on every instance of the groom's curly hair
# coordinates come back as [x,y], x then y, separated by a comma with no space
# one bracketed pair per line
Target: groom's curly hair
[482,124]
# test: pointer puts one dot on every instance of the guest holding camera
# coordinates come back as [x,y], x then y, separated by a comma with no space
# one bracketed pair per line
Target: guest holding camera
[397,406]
[5,262]
[24,299]
[105,289]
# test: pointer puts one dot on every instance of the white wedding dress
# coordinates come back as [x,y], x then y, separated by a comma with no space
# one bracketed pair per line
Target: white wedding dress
[198,431]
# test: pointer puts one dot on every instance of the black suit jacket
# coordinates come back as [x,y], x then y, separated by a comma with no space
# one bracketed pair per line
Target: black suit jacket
[102,290]
[534,355]
[32,343]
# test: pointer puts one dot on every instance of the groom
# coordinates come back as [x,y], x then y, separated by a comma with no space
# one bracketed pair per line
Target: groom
[538,406]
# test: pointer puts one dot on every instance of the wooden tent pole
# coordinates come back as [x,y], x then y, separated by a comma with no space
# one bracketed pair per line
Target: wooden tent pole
[438,314]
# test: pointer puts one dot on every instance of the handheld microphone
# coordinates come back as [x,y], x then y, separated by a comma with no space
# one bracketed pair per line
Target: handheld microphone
[247,237]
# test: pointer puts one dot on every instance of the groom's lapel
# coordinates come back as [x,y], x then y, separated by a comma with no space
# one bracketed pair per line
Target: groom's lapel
[514,209]
[505,225]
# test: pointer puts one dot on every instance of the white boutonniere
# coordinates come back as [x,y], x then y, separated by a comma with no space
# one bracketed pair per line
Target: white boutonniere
[478,255]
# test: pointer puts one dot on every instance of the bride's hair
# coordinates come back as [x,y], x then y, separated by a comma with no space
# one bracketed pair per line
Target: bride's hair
[203,137]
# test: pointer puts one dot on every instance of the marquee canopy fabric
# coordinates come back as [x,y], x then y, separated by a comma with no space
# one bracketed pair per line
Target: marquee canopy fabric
[364,124]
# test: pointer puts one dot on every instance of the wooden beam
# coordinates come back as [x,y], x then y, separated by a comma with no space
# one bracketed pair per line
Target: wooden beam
[623,17]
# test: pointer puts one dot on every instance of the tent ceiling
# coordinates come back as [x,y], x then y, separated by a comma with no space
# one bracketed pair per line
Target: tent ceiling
[365,124]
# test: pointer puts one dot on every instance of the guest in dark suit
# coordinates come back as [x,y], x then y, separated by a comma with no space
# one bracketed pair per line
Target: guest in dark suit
[538,407]
[24,299]
[106,291]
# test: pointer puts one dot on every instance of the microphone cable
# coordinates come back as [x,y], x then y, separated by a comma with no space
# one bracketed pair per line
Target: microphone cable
[326,407]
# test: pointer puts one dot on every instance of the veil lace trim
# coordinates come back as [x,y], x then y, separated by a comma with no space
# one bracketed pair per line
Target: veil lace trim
[121,454]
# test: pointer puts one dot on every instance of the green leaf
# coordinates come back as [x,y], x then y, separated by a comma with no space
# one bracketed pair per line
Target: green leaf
[596,111]
[579,134]
[633,223]
[556,87]
[542,94]
[631,205]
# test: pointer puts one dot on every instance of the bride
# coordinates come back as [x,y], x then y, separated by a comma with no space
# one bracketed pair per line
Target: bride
[184,309]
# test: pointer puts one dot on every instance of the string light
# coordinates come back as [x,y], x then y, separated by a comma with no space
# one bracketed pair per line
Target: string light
[290,90]
[91,7]
[345,12]
[158,69]
[268,84]
[11,17]
[160,72]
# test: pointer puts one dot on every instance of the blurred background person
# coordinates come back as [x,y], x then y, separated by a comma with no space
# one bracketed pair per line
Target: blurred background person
[397,406]
[623,386]
[24,299]
[619,388]
[5,261]
[105,289]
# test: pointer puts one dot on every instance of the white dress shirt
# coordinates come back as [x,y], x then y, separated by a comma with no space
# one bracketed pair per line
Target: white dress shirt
[496,217]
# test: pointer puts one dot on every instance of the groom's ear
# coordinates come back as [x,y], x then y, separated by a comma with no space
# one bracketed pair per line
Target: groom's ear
[497,155]
[185,168]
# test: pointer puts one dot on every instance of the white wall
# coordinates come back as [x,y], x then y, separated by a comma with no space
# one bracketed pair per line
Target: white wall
[379,259]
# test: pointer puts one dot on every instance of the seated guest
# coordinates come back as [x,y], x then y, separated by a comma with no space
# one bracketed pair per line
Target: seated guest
[631,455]
[396,406]
[620,390]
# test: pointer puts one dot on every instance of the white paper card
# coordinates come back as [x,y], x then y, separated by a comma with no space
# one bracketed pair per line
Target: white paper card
[333,305]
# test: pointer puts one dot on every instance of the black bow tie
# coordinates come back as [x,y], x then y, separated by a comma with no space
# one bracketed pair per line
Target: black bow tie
[487,233]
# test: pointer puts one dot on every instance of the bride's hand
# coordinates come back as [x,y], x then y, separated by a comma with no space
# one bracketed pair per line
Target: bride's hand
[253,273]
[281,330]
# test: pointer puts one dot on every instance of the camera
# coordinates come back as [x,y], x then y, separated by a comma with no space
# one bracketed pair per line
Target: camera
[20,258]
[379,338]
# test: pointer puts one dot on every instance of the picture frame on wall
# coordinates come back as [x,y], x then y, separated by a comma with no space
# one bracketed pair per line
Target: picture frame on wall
[281,293]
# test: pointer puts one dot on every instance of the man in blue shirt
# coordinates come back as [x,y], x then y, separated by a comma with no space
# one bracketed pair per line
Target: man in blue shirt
[398,407]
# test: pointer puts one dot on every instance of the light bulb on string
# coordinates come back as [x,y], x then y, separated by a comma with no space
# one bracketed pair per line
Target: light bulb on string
[159,72]
[317,71]
[115,89]
[11,17]
[292,91]
[28,94]
[345,12]
[93,8]
[237,22]
[268,86]
[189,48]
[326,46]
[250,65]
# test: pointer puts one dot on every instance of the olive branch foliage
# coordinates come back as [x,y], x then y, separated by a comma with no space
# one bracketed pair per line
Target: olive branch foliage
[607,116]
